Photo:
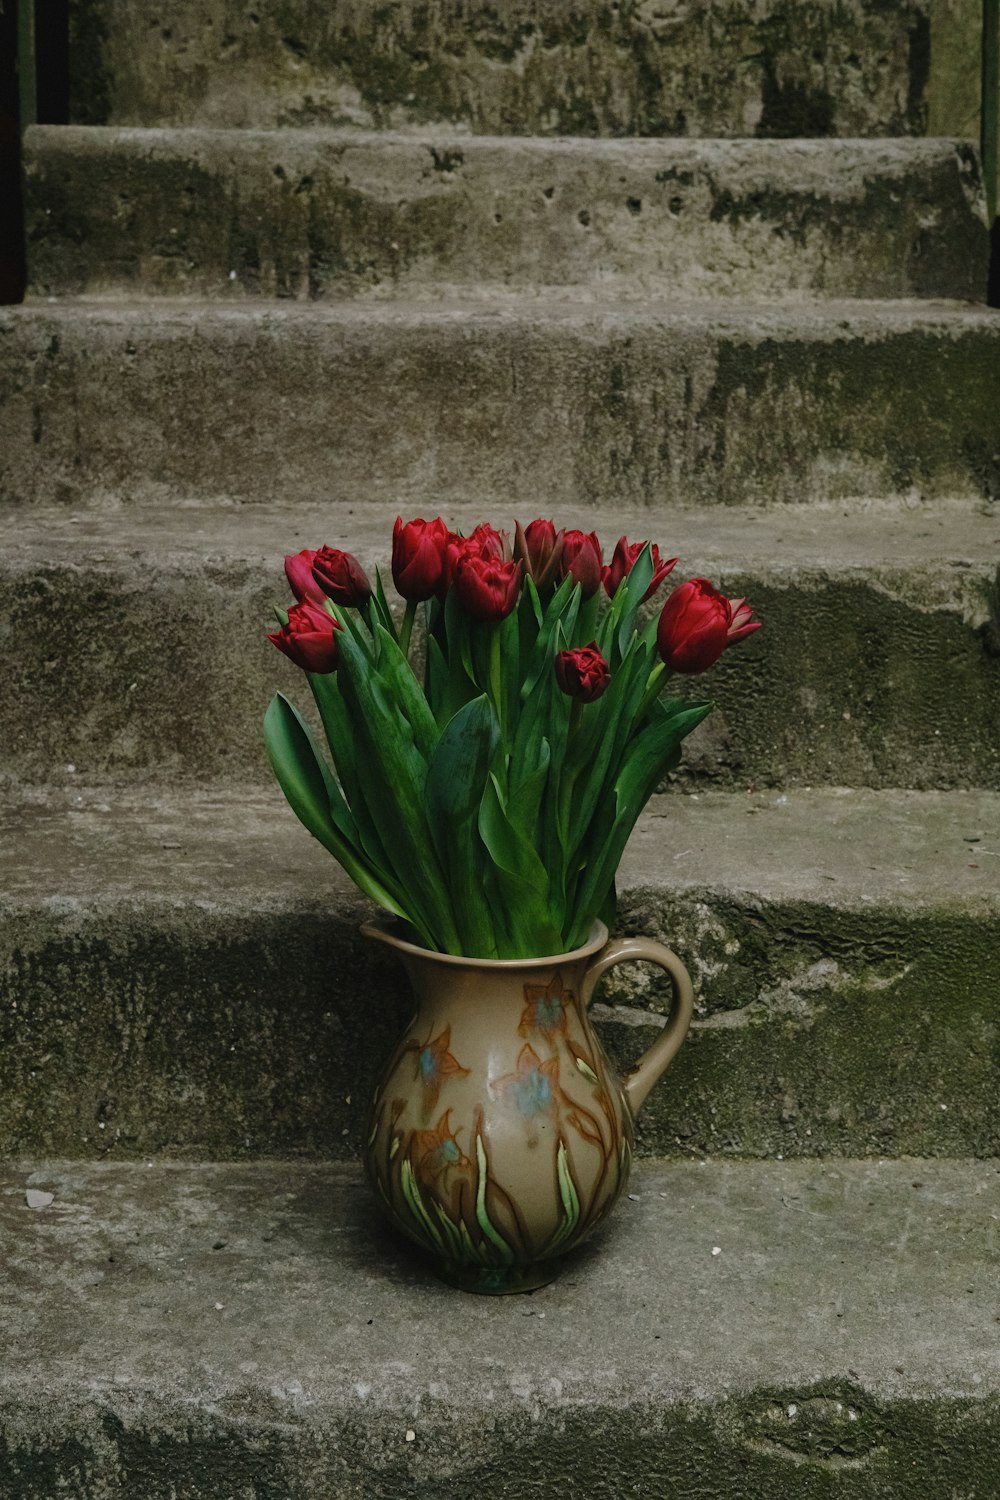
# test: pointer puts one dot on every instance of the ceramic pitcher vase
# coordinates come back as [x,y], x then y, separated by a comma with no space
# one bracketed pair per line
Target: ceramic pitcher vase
[500,1136]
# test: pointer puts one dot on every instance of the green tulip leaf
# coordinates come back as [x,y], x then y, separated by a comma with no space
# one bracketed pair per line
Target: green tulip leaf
[455,781]
[521,877]
[384,612]
[308,785]
[392,774]
[404,690]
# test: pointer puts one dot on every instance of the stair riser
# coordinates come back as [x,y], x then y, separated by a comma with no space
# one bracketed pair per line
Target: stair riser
[296,215]
[431,409]
[134,1030]
[785,68]
[123,672]
[118,1444]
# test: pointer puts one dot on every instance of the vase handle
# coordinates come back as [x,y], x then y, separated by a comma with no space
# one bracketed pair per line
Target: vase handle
[638,1081]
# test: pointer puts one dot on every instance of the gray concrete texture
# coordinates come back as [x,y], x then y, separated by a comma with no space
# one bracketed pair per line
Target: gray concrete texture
[214,1333]
[532,67]
[431,405]
[136,638]
[181,975]
[320,214]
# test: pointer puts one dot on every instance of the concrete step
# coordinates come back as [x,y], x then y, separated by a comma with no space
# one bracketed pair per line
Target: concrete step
[328,214]
[714,67]
[136,639]
[183,975]
[427,406]
[219,1332]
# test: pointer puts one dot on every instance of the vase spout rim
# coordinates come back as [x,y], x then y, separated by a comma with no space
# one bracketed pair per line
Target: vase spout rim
[388,931]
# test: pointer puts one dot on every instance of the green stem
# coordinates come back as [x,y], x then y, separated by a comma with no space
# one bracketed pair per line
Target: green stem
[372,615]
[567,781]
[496,681]
[406,630]
[653,689]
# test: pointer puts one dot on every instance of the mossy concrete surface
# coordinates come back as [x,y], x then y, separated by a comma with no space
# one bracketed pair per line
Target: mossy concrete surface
[954,82]
[319,214]
[531,67]
[738,1332]
[432,405]
[181,974]
[136,638]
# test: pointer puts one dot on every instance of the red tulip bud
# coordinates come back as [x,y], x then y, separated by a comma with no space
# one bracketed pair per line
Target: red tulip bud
[693,627]
[299,572]
[626,555]
[486,588]
[583,673]
[581,559]
[308,638]
[341,576]
[539,546]
[418,550]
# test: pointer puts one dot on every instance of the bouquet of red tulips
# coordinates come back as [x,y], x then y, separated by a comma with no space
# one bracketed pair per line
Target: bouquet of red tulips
[487,801]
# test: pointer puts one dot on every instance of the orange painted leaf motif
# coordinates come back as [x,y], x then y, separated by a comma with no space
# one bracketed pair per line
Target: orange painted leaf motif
[586,1129]
[545,1008]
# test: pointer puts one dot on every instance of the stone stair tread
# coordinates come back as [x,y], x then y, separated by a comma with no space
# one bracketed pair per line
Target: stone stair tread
[751,151]
[322,214]
[835,317]
[239,850]
[330,215]
[186,977]
[717,67]
[888,611]
[911,546]
[944,555]
[717,403]
[252,1328]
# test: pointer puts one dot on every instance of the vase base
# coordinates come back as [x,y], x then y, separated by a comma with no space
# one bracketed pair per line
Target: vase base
[497,1281]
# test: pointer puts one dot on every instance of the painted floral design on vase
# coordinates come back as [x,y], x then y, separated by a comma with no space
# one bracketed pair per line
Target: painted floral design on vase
[500,1136]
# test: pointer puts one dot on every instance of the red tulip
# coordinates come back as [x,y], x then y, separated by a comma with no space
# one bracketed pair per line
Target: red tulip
[743,623]
[418,550]
[341,576]
[539,546]
[582,560]
[308,638]
[488,542]
[485,542]
[624,560]
[299,572]
[694,625]
[583,673]
[486,588]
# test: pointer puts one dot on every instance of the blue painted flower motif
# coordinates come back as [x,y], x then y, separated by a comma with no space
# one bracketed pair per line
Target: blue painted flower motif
[545,1009]
[437,1151]
[434,1064]
[533,1088]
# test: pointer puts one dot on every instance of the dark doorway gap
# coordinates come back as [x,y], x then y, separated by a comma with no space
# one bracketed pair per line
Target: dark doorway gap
[11,209]
[52,61]
[51,80]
